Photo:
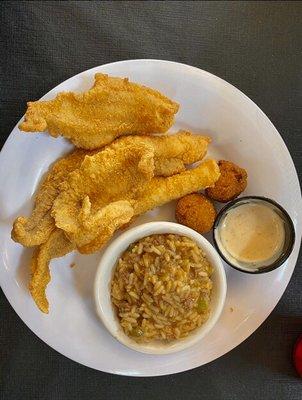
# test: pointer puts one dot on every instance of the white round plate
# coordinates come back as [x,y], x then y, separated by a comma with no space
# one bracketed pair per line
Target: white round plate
[240,131]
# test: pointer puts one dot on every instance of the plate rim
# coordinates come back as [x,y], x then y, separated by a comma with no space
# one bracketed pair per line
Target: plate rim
[298,235]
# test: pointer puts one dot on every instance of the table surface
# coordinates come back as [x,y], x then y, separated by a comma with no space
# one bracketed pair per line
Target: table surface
[256,46]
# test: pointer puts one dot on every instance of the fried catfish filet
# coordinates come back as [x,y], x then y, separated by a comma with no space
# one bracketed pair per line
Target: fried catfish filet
[111,108]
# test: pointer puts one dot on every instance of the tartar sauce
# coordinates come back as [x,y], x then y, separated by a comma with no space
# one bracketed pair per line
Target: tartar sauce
[253,233]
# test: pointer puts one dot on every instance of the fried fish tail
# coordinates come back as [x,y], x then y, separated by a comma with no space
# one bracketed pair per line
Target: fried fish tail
[56,246]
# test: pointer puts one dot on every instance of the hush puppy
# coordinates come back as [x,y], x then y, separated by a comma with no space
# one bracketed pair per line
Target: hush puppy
[232,182]
[196,212]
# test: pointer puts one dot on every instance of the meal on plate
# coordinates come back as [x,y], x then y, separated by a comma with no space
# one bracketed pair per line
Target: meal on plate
[161,288]
[111,108]
[123,167]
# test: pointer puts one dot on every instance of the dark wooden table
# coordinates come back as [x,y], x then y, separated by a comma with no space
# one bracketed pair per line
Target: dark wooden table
[256,46]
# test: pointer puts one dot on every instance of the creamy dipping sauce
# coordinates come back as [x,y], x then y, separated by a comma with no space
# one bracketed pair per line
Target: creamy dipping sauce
[253,233]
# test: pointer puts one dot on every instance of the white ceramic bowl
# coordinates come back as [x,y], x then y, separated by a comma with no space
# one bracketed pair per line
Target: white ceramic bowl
[105,270]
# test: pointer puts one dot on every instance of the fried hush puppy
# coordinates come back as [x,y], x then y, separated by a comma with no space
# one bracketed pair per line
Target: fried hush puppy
[196,212]
[232,182]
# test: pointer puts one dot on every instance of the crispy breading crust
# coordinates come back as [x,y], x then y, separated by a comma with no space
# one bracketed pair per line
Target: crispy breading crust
[111,108]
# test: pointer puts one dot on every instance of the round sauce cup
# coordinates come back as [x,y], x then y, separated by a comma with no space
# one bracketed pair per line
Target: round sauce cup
[263,230]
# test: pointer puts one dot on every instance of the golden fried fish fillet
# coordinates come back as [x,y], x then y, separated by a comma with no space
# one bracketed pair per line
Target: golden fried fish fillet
[161,190]
[36,229]
[111,108]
